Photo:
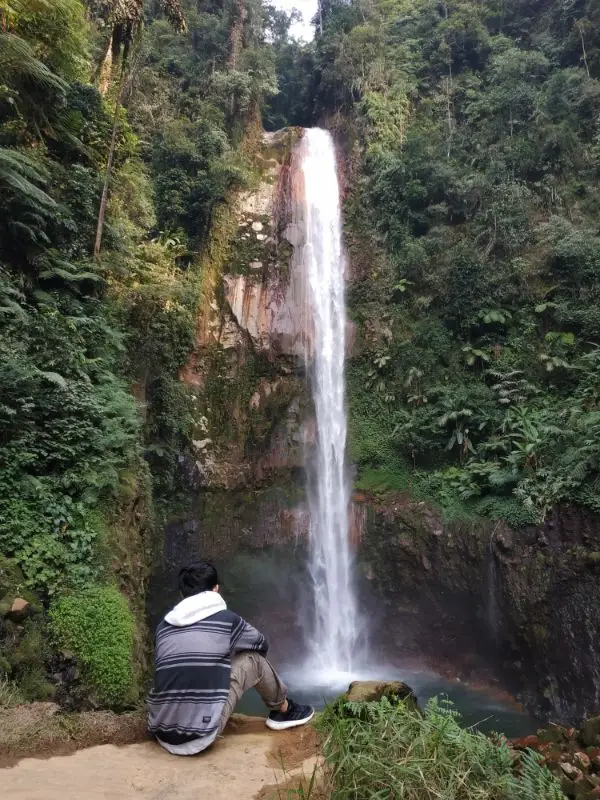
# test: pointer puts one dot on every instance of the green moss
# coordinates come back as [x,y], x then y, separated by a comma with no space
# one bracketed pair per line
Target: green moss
[97,626]
[381,480]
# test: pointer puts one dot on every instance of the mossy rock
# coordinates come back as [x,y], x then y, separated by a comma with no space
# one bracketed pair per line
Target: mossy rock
[12,585]
[591,732]
[373,691]
[97,627]
[23,637]
[365,692]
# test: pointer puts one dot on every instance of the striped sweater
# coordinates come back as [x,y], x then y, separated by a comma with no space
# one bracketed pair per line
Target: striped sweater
[194,646]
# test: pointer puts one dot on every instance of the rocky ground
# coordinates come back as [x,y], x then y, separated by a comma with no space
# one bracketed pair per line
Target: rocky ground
[249,763]
[572,755]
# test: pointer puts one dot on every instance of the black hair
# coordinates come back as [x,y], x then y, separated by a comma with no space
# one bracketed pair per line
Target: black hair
[197,577]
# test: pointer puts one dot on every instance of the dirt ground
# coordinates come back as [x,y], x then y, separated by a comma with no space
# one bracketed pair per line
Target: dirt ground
[249,763]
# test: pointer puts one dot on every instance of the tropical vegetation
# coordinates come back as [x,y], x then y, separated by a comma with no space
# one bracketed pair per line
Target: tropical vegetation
[472,133]
[122,130]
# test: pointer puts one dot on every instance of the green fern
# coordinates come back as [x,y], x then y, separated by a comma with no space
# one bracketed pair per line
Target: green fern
[25,175]
[535,782]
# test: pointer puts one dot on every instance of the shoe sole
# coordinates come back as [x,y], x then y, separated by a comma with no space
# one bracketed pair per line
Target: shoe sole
[283,726]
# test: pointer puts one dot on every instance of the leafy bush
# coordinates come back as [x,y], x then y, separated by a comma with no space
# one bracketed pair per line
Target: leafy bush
[390,751]
[97,626]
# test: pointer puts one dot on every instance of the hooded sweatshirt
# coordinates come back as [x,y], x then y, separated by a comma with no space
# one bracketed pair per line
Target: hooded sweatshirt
[194,645]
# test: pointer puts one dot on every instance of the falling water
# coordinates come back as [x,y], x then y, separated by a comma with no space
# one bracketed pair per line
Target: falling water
[335,625]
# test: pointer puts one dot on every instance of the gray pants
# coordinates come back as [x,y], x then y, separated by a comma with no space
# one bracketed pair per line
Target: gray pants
[249,669]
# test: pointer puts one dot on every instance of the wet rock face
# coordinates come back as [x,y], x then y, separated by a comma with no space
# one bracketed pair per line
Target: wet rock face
[246,378]
[242,473]
[526,601]
[266,309]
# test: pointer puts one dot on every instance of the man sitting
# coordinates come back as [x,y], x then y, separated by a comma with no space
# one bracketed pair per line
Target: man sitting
[206,658]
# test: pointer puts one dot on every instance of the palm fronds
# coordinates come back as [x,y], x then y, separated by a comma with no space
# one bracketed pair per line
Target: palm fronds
[21,173]
[19,65]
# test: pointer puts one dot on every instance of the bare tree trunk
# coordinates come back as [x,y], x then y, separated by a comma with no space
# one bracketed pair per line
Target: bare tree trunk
[585,61]
[235,42]
[111,158]
[449,88]
[236,33]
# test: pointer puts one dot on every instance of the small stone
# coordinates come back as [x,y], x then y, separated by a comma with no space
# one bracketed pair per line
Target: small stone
[527,742]
[572,772]
[255,265]
[257,226]
[19,610]
[261,237]
[582,761]
[255,401]
[426,563]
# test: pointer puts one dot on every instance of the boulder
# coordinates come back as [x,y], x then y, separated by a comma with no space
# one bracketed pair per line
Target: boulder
[582,761]
[571,771]
[591,732]
[19,610]
[373,691]
[572,779]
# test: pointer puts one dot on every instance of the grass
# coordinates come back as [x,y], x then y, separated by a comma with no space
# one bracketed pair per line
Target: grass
[381,751]
[10,696]
[41,729]
[379,480]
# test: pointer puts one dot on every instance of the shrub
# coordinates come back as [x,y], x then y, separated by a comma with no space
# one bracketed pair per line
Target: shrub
[97,626]
[391,751]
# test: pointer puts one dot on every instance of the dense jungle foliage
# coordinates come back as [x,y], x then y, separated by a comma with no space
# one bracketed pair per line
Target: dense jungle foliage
[380,749]
[122,129]
[473,136]
[472,140]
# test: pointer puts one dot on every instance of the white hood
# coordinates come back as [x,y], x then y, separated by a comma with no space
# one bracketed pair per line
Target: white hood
[194,608]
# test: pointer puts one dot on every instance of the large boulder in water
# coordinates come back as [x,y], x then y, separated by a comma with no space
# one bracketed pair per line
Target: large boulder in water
[395,692]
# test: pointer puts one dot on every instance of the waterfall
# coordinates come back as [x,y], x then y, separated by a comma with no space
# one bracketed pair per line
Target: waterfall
[335,624]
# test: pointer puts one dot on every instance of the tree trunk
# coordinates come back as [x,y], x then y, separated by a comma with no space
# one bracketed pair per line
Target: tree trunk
[585,61]
[110,160]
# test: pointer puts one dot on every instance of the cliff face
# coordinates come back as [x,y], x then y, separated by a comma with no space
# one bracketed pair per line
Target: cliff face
[243,473]
[525,600]
[246,374]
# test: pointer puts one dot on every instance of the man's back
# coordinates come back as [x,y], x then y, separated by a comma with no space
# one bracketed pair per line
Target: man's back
[195,687]
[193,666]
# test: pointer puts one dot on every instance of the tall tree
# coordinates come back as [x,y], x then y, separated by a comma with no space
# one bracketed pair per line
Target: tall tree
[125,18]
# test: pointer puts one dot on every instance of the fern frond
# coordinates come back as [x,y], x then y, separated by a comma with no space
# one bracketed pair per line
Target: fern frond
[18,62]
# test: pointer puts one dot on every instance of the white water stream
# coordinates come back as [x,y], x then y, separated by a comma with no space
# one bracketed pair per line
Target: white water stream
[335,621]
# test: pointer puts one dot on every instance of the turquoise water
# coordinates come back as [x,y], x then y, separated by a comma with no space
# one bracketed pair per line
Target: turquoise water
[478,707]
